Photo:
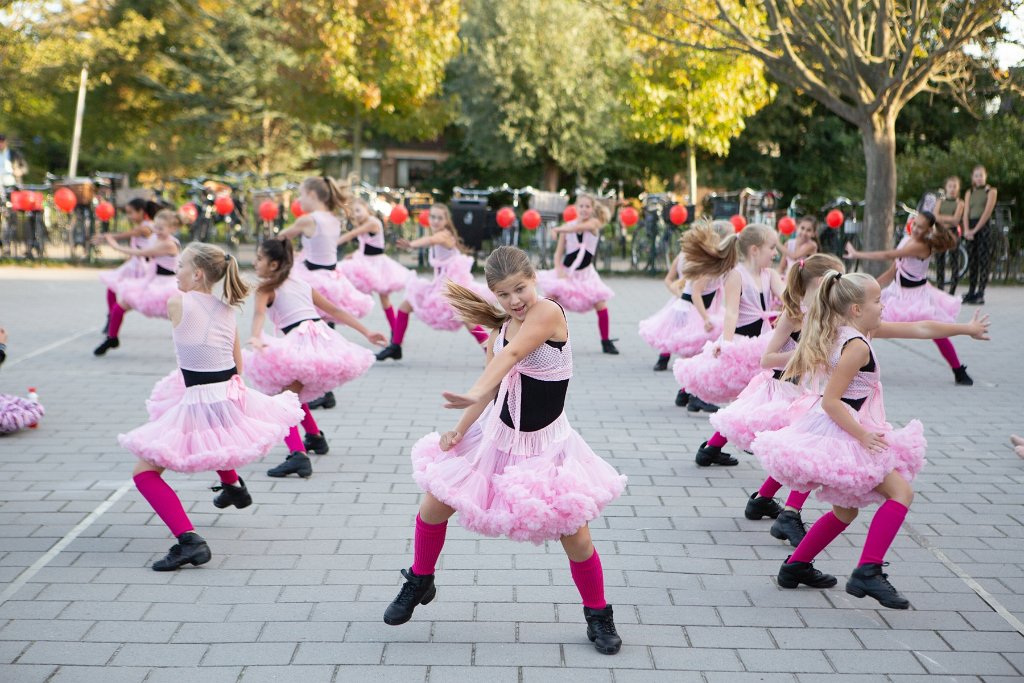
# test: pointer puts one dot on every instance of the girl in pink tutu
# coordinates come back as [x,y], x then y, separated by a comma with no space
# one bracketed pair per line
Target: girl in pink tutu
[908,296]
[842,446]
[724,368]
[202,416]
[513,466]
[574,282]
[308,358]
[319,229]
[16,413]
[769,403]
[369,268]
[140,215]
[801,245]
[426,297]
[148,295]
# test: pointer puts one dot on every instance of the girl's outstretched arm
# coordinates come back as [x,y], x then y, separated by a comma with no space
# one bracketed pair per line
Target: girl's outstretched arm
[346,318]
[933,329]
[359,230]
[304,225]
[259,314]
[913,249]
[164,248]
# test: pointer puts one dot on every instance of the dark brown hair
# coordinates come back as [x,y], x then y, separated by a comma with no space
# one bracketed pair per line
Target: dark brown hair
[503,263]
[281,253]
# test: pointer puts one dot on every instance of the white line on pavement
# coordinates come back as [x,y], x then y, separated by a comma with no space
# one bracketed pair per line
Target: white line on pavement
[48,347]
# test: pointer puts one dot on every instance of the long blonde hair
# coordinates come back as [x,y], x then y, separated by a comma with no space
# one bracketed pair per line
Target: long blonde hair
[216,264]
[828,312]
[800,277]
[601,211]
[471,308]
[706,254]
[449,225]
[334,194]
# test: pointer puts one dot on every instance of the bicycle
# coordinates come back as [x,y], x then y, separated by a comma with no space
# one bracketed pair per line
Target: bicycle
[654,241]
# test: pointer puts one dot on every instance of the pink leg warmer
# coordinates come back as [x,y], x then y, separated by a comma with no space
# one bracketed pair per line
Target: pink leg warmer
[884,527]
[293,441]
[389,313]
[769,488]
[797,499]
[821,533]
[717,440]
[111,299]
[427,544]
[164,501]
[602,323]
[228,476]
[308,422]
[948,352]
[401,323]
[589,579]
[480,334]
[116,318]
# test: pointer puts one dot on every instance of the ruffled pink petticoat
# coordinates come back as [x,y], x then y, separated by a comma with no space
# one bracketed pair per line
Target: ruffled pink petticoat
[816,453]
[209,427]
[721,379]
[136,267]
[912,304]
[18,413]
[579,291]
[377,274]
[312,354]
[335,287]
[149,295]
[765,405]
[428,296]
[678,329]
[528,486]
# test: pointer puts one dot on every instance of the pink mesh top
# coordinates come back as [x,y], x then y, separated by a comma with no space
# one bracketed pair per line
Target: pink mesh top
[911,268]
[293,303]
[167,262]
[753,301]
[373,239]
[865,382]
[322,248]
[712,286]
[573,244]
[204,340]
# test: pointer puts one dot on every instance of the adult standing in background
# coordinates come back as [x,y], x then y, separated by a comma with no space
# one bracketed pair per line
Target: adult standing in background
[949,214]
[12,164]
[979,201]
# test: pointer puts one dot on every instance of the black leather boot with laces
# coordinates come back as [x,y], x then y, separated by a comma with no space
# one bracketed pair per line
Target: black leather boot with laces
[662,363]
[789,526]
[316,443]
[792,574]
[417,590]
[191,549]
[695,405]
[868,579]
[392,350]
[232,494]
[713,455]
[682,398]
[759,507]
[296,463]
[327,401]
[601,630]
[608,346]
[109,343]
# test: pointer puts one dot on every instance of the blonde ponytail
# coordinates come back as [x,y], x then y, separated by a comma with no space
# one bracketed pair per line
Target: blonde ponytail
[800,276]
[706,254]
[216,264]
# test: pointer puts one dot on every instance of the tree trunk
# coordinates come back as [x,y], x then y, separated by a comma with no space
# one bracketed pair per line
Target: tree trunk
[357,144]
[691,153]
[879,139]
[264,162]
[550,180]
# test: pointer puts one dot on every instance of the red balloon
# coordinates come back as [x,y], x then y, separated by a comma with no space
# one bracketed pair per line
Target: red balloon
[189,213]
[104,211]
[629,216]
[424,218]
[224,205]
[834,218]
[569,214]
[678,214]
[506,217]
[36,201]
[738,222]
[65,199]
[787,225]
[268,210]
[19,200]
[399,214]
[296,208]
[531,220]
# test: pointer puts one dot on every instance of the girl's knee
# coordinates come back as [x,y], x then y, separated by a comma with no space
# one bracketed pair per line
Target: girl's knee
[143,466]
[845,515]
[433,511]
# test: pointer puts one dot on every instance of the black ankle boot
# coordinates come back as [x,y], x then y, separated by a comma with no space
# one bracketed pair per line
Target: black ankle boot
[317,443]
[608,346]
[297,462]
[417,590]
[326,402]
[792,574]
[662,363]
[695,405]
[682,398]
[190,549]
[759,507]
[961,377]
[108,343]
[232,494]
[713,455]
[392,350]
[789,526]
[601,630]
[868,579]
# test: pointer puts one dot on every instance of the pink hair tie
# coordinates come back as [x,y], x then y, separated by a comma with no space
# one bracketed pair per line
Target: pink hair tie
[801,263]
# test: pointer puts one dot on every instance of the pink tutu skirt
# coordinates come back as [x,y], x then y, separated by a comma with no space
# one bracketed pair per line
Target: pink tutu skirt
[765,405]
[816,453]
[18,413]
[134,268]
[148,296]
[912,304]
[579,291]
[427,296]
[678,328]
[335,287]
[313,354]
[528,486]
[379,274]
[721,379]
[209,427]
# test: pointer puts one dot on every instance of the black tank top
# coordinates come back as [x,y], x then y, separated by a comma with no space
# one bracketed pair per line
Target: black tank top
[858,403]
[540,402]
[706,298]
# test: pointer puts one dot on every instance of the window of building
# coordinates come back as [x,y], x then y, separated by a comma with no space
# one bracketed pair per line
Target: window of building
[414,172]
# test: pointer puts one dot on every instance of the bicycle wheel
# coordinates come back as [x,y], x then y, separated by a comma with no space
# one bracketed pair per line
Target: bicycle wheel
[963,261]
[639,249]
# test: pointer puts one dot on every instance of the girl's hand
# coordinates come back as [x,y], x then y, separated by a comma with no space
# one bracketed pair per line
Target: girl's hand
[873,441]
[376,338]
[716,351]
[978,327]
[561,273]
[460,401]
[708,325]
[403,243]
[449,439]
[3,336]
[97,238]
[256,343]
[851,252]
[110,239]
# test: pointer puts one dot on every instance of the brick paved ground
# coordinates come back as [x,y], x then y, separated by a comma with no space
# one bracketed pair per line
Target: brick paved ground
[299,581]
